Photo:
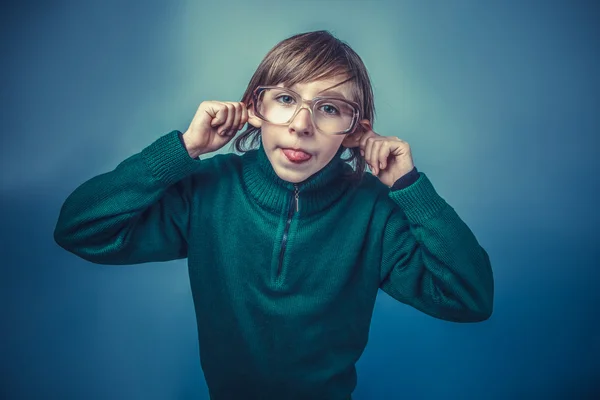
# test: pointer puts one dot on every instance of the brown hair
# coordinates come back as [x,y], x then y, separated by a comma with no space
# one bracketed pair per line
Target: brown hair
[307,57]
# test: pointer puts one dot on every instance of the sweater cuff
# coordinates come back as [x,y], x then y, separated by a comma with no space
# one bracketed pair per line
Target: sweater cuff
[406,180]
[168,158]
[419,201]
[180,136]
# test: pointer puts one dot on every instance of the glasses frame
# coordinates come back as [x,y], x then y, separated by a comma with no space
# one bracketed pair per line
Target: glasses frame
[311,105]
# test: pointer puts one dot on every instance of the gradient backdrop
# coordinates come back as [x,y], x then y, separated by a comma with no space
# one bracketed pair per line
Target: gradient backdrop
[499,101]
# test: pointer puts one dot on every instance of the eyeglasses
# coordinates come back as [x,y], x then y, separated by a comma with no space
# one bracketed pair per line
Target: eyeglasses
[329,115]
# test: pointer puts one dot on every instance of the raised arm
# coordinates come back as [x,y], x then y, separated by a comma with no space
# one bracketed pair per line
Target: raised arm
[137,213]
[431,260]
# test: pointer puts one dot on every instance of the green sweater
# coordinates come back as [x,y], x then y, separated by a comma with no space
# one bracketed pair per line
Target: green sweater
[284,277]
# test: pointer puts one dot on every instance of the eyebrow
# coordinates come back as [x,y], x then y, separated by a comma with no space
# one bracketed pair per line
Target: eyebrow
[332,91]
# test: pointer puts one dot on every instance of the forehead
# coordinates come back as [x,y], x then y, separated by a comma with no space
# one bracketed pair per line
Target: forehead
[328,86]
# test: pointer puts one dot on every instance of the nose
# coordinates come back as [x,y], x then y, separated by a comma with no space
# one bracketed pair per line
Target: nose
[302,122]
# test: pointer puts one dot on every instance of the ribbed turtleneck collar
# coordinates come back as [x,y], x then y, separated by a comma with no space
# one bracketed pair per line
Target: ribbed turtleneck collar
[314,194]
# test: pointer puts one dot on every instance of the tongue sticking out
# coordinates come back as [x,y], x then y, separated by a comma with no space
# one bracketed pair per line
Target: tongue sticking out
[296,155]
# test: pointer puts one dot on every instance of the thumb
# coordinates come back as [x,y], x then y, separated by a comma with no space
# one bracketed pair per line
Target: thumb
[219,115]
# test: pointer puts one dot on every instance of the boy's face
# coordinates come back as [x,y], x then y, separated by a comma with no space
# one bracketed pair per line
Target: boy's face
[300,133]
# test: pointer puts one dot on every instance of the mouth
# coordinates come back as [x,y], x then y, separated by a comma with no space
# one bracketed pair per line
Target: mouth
[296,156]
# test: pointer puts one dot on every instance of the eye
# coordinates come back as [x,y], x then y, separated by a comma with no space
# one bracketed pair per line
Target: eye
[285,99]
[329,109]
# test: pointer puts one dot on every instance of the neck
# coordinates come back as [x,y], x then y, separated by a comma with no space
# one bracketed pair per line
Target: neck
[315,193]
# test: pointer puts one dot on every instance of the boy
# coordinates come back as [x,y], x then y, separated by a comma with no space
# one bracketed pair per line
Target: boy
[287,244]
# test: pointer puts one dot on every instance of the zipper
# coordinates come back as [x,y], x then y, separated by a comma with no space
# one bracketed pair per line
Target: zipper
[293,208]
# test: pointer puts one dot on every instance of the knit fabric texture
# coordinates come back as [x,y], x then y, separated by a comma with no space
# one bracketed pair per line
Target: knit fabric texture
[284,276]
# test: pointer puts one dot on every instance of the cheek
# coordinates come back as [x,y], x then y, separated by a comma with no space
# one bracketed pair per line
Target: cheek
[269,137]
[332,146]
[329,149]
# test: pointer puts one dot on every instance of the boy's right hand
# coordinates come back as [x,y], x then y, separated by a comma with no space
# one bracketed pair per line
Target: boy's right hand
[214,125]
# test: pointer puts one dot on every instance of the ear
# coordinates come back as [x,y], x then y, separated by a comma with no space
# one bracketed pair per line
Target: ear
[252,118]
[353,139]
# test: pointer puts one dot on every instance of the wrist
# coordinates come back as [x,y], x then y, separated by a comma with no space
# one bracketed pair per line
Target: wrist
[191,149]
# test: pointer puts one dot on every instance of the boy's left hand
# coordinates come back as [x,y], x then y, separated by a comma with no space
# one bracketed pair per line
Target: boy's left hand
[388,157]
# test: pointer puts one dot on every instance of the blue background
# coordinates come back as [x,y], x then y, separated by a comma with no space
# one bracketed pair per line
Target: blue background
[498,100]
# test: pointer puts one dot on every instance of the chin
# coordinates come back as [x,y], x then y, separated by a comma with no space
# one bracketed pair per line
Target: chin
[288,173]
[292,177]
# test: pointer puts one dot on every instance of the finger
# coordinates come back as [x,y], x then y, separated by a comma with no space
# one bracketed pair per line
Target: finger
[219,114]
[363,151]
[383,154]
[365,137]
[369,152]
[354,138]
[230,116]
[375,151]
[244,116]
[236,118]
[363,141]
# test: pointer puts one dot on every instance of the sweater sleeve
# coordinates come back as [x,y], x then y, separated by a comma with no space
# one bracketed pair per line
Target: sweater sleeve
[406,180]
[136,213]
[431,260]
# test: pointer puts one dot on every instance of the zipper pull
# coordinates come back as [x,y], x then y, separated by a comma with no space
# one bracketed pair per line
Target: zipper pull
[297,200]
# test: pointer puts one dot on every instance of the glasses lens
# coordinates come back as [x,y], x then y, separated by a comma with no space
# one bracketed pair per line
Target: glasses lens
[277,105]
[331,116]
